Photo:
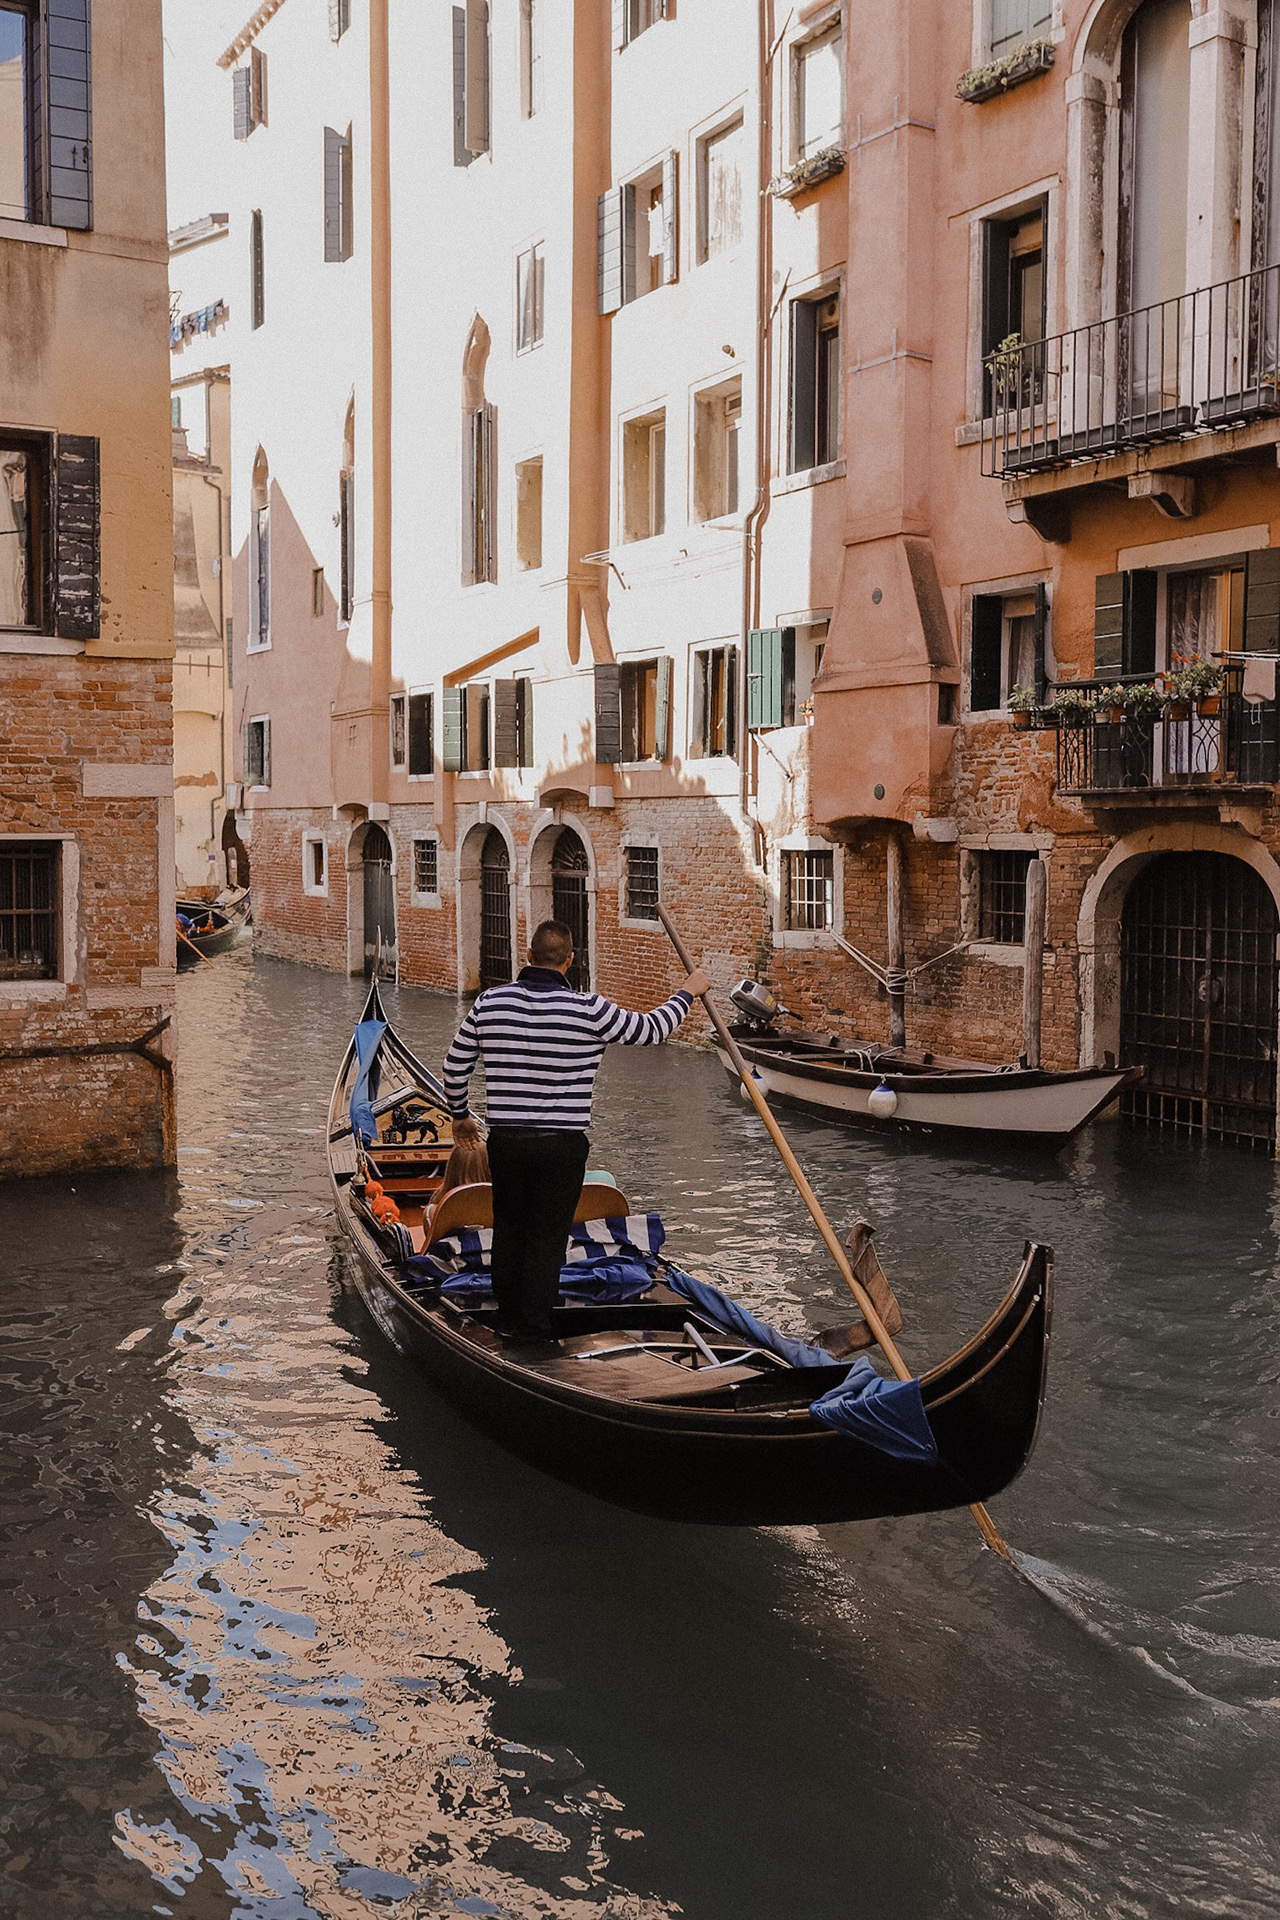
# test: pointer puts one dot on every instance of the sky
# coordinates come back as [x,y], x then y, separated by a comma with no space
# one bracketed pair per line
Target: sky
[197,99]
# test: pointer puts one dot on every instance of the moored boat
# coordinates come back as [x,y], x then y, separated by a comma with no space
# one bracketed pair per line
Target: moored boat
[906,1089]
[660,1392]
[211,926]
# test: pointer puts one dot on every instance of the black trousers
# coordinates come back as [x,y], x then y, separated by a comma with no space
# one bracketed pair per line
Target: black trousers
[537,1177]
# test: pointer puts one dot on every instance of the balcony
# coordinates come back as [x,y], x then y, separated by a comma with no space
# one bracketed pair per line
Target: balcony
[1173,376]
[1223,751]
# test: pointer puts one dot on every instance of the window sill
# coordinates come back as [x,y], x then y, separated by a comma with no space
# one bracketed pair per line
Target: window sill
[261,646]
[810,477]
[416,779]
[814,942]
[33,234]
[996,955]
[20,993]
[632,924]
[17,640]
[426,900]
[316,893]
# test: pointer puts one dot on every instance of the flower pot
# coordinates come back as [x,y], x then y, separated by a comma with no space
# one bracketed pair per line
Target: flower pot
[1178,710]
[1208,704]
[1022,719]
[1116,716]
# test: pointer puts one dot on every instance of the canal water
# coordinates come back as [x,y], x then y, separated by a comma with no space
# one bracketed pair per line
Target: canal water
[281,1636]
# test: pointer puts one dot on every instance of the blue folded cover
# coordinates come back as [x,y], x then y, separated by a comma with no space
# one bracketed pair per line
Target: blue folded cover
[728,1314]
[886,1414]
[368,1038]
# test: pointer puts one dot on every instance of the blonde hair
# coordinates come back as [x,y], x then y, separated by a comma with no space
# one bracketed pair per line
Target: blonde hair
[466,1167]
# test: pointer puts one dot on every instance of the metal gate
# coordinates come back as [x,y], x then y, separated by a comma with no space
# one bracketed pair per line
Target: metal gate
[1198,998]
[495,911]
[569,902]
[379,905]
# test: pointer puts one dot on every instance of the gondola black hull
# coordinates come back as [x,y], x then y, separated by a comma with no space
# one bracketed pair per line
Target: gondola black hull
[731,1466]
[232,922]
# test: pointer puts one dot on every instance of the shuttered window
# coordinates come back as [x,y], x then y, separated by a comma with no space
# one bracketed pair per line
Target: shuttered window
[632,17]
[46,114]
[530,276]
[512,709]
[815,382]
[257,752]
[23,488]
[339,18]
[1262,601]
[479,484]
[399,730]
[771,677]
[530,57]
[249,94]
[50,534]
[608,713]
[470,81]
[1124,623]
[421,734]
[346,543]
[77,536]
[986,635]
[257,271]
[639,236]
[338,191]
[713,726]
[455,729]
[1016,22]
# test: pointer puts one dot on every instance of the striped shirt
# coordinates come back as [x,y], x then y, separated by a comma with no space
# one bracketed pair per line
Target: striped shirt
[542,1045]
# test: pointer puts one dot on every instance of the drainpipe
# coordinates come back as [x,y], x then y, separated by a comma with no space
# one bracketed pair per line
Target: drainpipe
[222,635]
[753,525]
[380,394]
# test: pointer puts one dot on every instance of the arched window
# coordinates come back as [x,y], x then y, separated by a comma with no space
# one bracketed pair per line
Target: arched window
[479,476]
[260,554]
[347,518]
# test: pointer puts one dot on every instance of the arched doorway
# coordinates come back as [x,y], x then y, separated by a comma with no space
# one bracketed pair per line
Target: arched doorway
[570,902]
[1198,997]
[379,904]
[235,853]
[495,911]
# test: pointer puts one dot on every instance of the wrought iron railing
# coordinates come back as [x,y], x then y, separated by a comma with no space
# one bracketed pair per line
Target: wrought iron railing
[1227,739]
[1203,361]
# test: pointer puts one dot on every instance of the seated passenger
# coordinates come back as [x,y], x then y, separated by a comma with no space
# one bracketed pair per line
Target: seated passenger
[465,1167]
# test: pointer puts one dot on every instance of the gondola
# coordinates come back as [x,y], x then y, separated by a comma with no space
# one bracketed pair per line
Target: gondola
[209,927]
[672,1402]
[910,1090]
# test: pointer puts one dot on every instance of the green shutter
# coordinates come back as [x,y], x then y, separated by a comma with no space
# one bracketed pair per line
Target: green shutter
[1109,623]
[765,646]
[1262,601]
[454,728]
[662,712]
[986,633]
[506,741]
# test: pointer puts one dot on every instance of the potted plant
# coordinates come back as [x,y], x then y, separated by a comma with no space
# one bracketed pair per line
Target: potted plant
[997,76]
[1072,705]
[1022,705]
[1192,678]
[1143,700]
[1111,703]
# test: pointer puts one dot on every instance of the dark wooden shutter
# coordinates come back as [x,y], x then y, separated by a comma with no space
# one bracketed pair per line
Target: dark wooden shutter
[462,157]
[804,386]
[670,218]
[619,25]
[1140,623]
[764,676]
[699,705]
[421,743]
[608,713]
[241,104]
[1041,632]
[67,190]
[1109,602]
[1262,601]
[77,517]
[662,711]
[258,87]
[333,145]
[486,489]
[995,298]
[266,752]
[454,716]
[477,751]
[477,76]
[986,626]
[609,220]
[731,701]
[257,272]
[506,723]
[339,18]
[524,723]
[246,763]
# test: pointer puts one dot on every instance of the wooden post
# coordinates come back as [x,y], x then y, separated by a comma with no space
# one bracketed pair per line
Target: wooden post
[897,944]
[1033,960]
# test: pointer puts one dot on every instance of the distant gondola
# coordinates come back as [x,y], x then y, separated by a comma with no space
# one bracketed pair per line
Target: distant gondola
[210,926]
[657,1402]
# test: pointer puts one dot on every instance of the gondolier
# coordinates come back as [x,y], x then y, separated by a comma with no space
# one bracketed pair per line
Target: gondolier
[542,1044]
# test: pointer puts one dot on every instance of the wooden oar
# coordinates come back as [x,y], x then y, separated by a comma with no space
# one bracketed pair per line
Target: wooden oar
[194,948]
[986,1525]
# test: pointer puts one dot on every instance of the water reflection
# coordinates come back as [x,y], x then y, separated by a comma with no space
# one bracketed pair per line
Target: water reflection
[287,1638]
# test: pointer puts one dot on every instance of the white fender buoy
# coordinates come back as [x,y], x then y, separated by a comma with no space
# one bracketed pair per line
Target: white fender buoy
[882,1102]
[758,1083]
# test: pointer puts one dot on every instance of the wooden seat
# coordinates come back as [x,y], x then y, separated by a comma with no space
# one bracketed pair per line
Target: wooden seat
[472,1206]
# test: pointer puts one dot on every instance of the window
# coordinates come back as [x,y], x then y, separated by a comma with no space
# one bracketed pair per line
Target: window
[631,18]
[530,57]
[257,752]
[338,195]
[339,18]
[714,720]
[29,893]
[818,94]
[511,705]
[720,170]
[1002,895]
[422,749]
[470,81]
[426,866]
[315,865]
[815,382]
[49,534]
[317,592]
[260,608]
[346,544]
[638,236]
[633,711]
[782,665]
[529,514]
[257,275]
[1015,23]
[644,477]
[1013,306]
[642,883]
[466,729]
[249,94]
[1007,646]
[717,422]
[480,556]
[529,281]
[399,730]
[46,161]
[809,892]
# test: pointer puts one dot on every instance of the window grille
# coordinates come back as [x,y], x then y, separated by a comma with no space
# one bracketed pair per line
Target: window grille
[426,866]
[1002,894]
[28,911]
[810,890]
[642,883]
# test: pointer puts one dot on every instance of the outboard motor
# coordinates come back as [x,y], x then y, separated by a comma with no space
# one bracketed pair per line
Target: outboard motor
[756,1003]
